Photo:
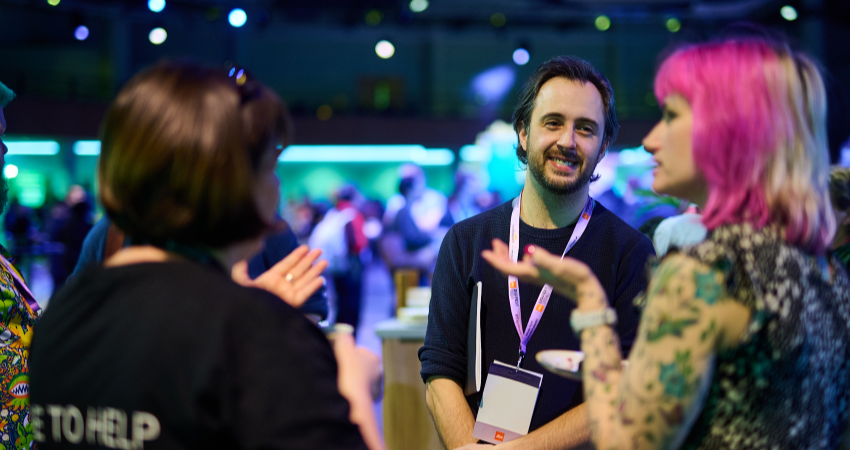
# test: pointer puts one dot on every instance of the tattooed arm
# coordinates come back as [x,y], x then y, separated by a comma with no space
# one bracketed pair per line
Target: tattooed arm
[653,403]
[688,318]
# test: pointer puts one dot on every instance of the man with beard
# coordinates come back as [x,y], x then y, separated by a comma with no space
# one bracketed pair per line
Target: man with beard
[565,122]
[18,315]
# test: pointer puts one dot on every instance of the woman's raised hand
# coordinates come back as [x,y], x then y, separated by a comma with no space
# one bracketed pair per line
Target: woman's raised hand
[294,279]
[567,276]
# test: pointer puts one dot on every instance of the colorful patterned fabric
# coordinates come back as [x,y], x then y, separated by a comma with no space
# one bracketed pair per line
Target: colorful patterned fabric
[787,386]
[17,319]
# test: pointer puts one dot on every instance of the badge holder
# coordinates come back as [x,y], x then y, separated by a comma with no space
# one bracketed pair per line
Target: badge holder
[507,404]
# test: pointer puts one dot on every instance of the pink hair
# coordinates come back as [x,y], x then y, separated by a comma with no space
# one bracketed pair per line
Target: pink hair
[756,142]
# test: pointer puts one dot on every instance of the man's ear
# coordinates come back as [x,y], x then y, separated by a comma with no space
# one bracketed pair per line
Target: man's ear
[602,152]
[523,136]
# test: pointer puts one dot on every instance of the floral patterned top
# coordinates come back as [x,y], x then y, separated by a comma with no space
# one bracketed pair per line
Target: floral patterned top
[787,386]
[18,315]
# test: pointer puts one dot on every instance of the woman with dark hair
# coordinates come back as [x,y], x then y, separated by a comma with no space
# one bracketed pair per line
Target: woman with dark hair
[743,337]
[158,347]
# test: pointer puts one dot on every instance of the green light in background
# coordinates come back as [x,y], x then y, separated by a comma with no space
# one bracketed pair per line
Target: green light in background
[53,2]
[603,23]
[382,96]
[788,13]
[374,17]
[31,188]
[498,20]
[673,25]
[11,171]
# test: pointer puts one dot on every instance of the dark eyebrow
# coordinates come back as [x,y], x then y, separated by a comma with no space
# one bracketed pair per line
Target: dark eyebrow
[592,122]
[559,116]
[551,115]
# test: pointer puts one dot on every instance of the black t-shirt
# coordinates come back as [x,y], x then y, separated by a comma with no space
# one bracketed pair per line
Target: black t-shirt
[178,356]
[617,254]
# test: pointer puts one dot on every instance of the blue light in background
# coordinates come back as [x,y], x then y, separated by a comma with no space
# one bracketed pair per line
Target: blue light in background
[81,33]
[475,153]
[32,147]
[86,148]
[237,17]
[367,154]
[521,56]
[156,5]
[492,85]
[635,156]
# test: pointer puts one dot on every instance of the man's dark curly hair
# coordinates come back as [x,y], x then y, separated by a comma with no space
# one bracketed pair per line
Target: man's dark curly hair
[571,68]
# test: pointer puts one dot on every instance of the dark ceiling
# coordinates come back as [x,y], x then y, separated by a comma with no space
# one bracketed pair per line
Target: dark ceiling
[321,52]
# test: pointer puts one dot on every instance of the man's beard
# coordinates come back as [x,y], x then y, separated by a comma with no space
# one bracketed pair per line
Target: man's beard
[4,193]
[537,167]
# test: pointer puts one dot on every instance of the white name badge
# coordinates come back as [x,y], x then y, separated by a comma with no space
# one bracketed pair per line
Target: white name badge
[507,403]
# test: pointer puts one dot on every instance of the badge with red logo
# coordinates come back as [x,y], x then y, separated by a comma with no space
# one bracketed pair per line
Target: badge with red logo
[513,284]
[585,216]
[539,307]
[500,436]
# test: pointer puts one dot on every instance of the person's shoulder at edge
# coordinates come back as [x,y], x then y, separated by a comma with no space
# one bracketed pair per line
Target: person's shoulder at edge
[93,246]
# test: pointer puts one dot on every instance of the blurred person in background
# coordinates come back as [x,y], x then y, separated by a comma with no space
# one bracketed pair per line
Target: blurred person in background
[415,237]
[463,203]
[341,238]
[160,336]
[839,192]
[427,209]
[71,221]
[18,315]
[743,337]
[20,227]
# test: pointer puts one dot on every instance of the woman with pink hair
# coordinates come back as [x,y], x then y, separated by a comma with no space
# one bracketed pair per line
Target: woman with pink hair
[743,337]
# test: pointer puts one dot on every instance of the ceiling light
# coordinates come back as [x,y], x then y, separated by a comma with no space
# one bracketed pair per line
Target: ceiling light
[156,5]
[237,17]
[788,13]
[418,6]
[385,49]
[521,56]
[81,33]
[603,23]
[157,36]
[673,25]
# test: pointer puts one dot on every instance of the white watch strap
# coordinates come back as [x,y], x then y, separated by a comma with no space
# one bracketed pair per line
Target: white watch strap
[581,320]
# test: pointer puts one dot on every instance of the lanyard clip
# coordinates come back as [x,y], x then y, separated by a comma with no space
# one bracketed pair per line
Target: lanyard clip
[519,361]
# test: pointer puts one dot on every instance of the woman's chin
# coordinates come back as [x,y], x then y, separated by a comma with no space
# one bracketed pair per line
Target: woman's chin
[659,187]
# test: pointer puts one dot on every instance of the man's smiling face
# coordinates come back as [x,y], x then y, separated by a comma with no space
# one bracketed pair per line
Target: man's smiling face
[564,138]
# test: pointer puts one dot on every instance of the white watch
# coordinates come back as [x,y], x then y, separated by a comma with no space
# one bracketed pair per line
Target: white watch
[581,320]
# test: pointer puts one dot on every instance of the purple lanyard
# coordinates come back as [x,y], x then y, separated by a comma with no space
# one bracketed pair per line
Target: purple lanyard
[23,290]
[546,292]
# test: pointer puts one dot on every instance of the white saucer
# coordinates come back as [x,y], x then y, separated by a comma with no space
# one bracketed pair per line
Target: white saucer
[566,363]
